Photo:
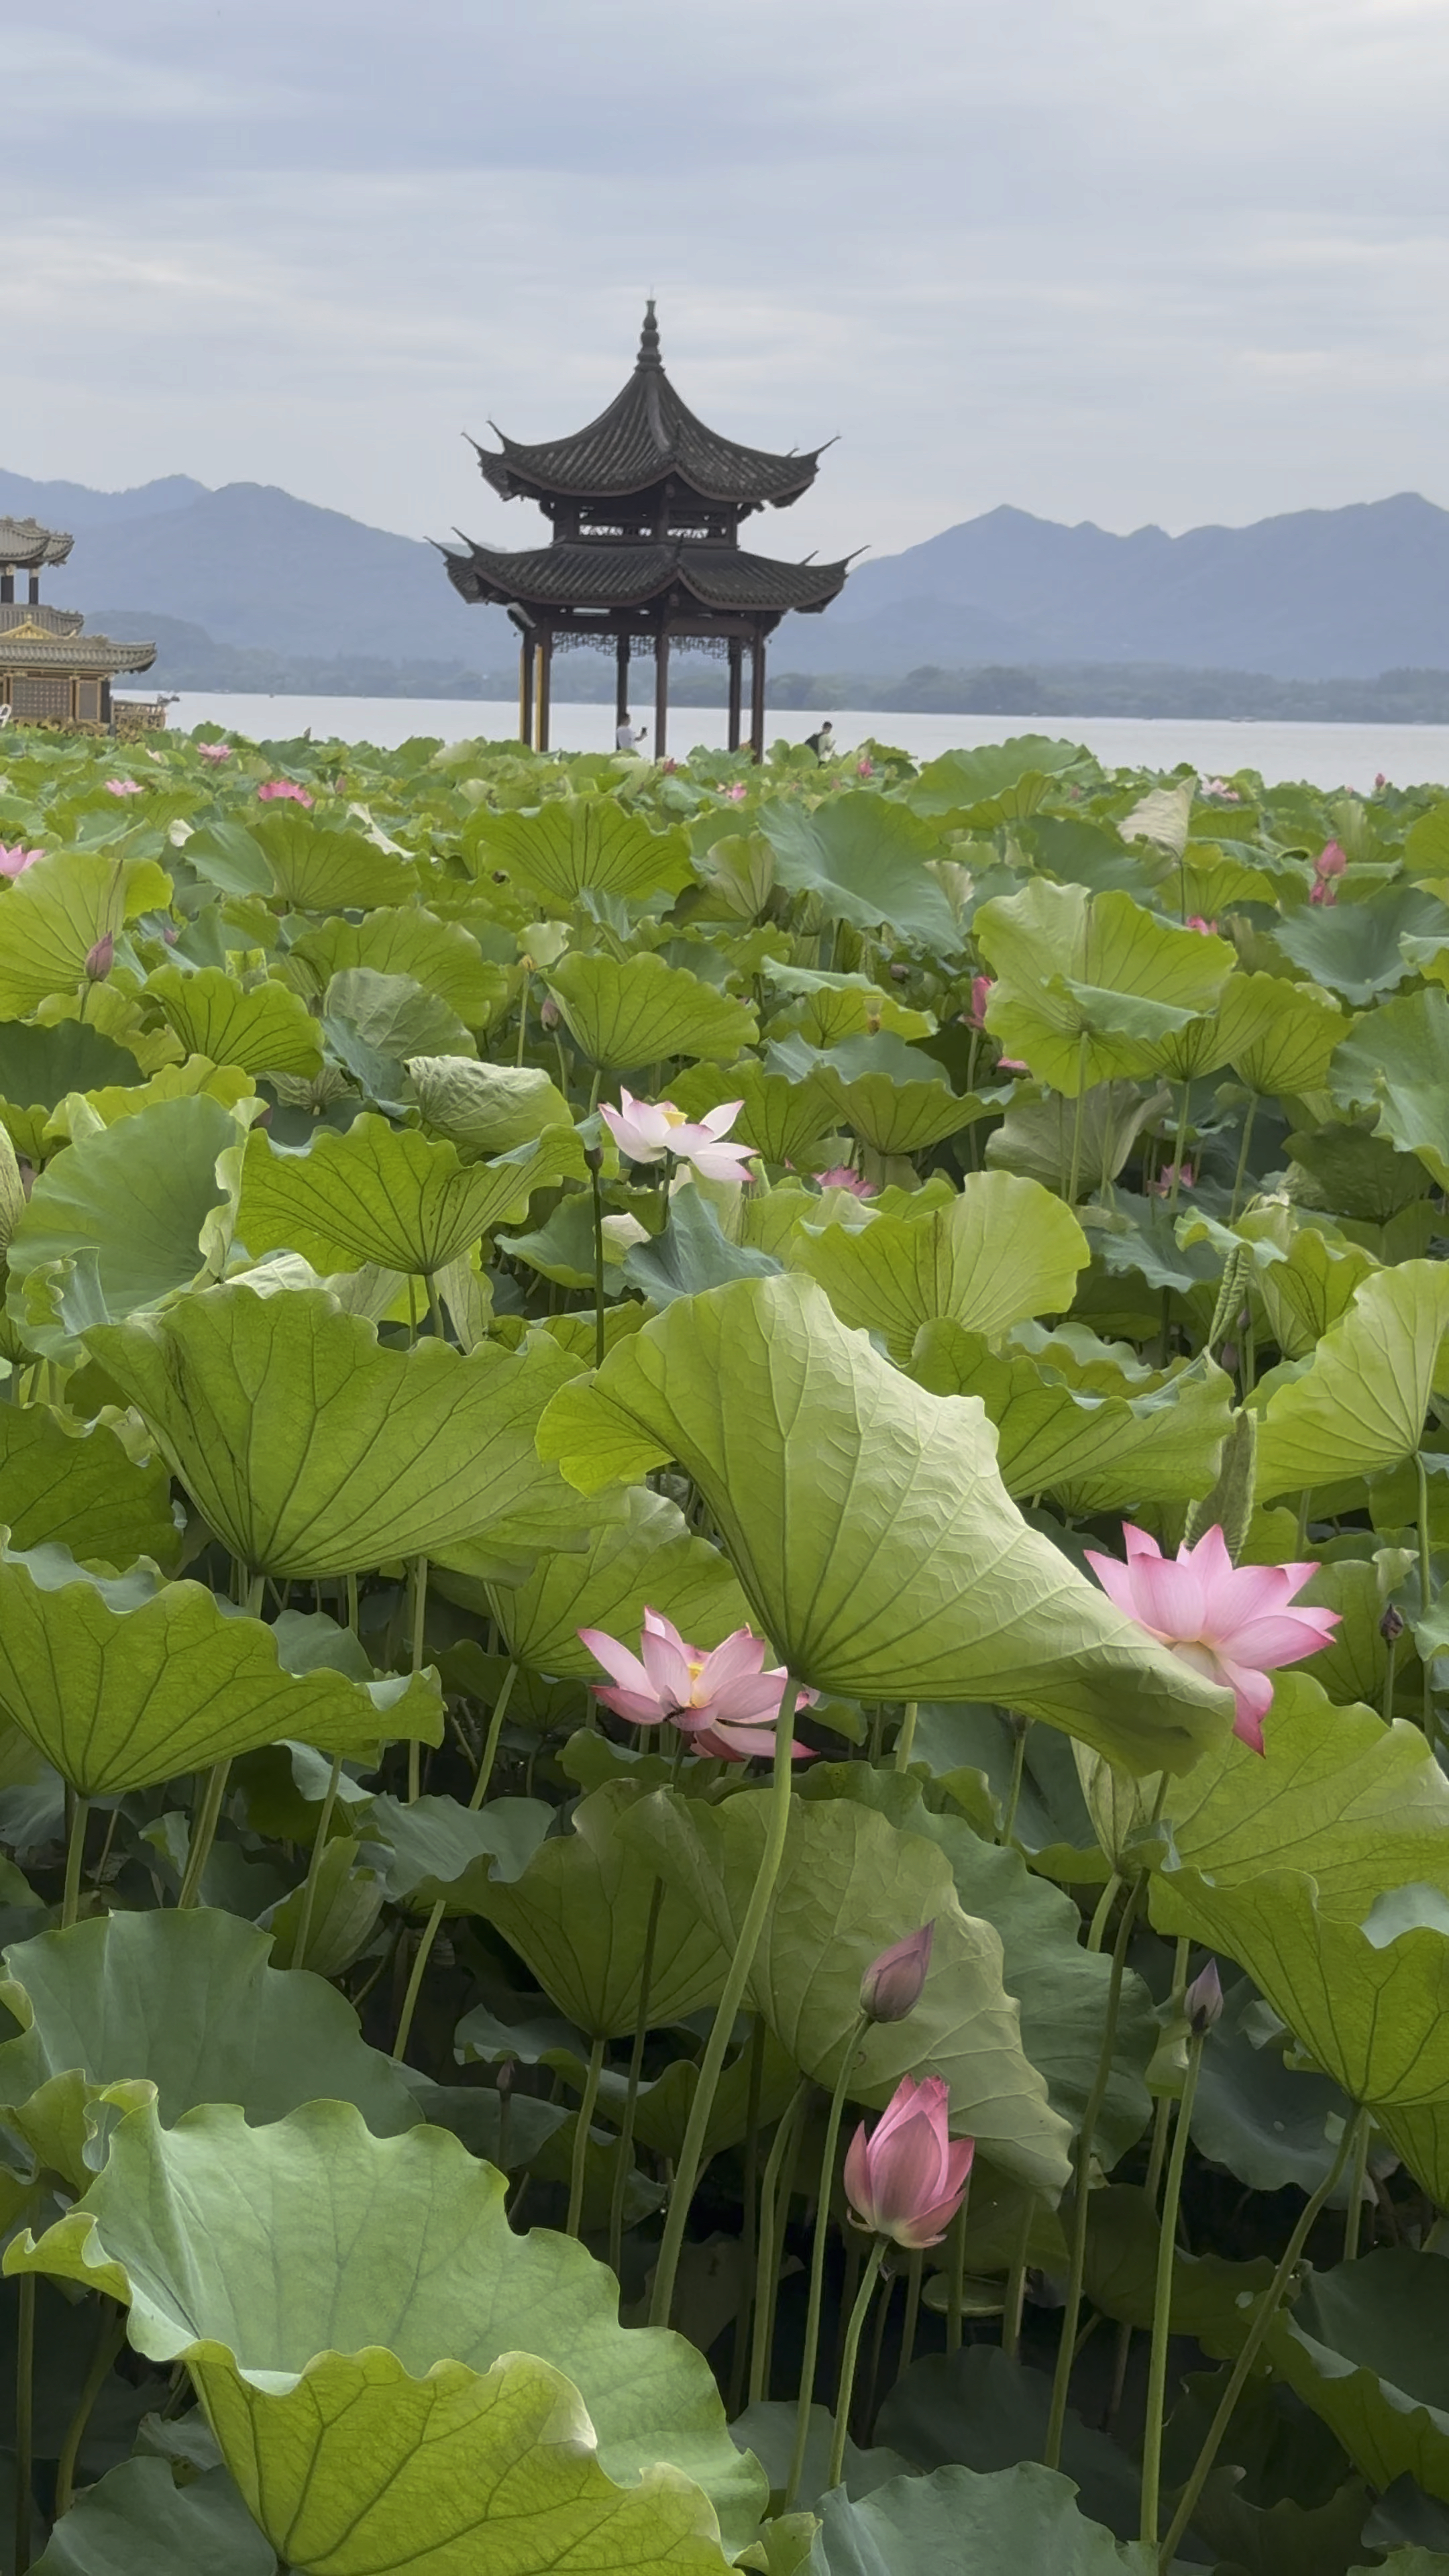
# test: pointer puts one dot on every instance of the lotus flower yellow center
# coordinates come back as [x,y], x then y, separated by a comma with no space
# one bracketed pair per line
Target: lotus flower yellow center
[675,1118]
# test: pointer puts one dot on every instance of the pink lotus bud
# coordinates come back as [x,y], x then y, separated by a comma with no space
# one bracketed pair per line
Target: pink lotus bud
[980,996]
[549,1012]
[906,2180]
[891,1986]
[100,959]
[1380,780]
[865,769]
[1203,2001]
[1196,922]
[1331,860]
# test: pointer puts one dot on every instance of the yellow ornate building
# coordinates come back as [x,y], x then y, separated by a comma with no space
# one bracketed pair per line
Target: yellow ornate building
[52,673]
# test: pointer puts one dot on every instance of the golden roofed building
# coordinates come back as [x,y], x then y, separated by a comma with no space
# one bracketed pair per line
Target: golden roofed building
[52,673]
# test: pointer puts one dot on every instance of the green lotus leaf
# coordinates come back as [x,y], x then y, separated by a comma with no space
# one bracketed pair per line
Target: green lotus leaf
[1311,1289]
[1397,1062]
[636,1011]
[864,862]
[124,1680]
[1356,948]
[1359,1407]
[691,1254]
[136,2521]
[57,910]
[647,1559]
[1094,1452]
[1002,1251]
[119,1222]
[908,1572]
[440,1852]
[346,1902]
[184,2002]
[1279,1037]
[1255,2112]
[1354,1664]
[374,1024]
[382,2359]
[779,1118]
[978,2410]
[1363,2345]
[80,1113]
[312,1450]
[315,868]
[75,1484]
[1356,1175]
[384,1194]
[582,844]
[263,1027]
[485,1108]
[850,1884]
[967,777]
[1020,2517]
[39,1066]
[1040,942]
[1038,1135]
[902,1117]
[441,955]
[579,1915]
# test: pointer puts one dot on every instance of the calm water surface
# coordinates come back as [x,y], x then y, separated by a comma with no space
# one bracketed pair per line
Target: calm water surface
[1328,755]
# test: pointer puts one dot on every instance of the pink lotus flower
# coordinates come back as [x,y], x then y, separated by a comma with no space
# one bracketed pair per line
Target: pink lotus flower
[892,1985]
[981,990]
[281,790]
[214,750]
[1219,787]
[647,1130]
[1323,891]
[841,1177]
[865,769]
[1170,1172]
[735,795]
[1195,921]
[1229,1621]
[13,863]
[906,2180]
[125,787]
[725,1701]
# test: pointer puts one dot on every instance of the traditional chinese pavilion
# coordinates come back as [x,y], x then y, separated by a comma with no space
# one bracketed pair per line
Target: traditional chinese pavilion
[646,506]
[51,672]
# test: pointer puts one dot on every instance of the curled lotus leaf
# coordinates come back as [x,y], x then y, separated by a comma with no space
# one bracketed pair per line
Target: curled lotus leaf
[1005,1249]
[385,1194]
[264,1028]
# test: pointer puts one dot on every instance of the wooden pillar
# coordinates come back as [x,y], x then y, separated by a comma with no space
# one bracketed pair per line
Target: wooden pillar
[35,590]
[661,691]
[545,675]
[525,689]
[621,678]
[737,655]
[7,586]
[757,694]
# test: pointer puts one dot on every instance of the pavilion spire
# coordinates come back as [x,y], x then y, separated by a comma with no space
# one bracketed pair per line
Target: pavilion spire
[649,354]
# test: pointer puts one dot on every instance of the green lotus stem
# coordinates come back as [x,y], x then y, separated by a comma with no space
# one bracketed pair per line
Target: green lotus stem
[1162,2299]
[495,1731]
[1076,1164]
[314,1865]
[631,2092]
[420,1612]
[1357,2176]
[739,2355]
[203,1833]
[905,1741]
[579,2169]
[1305,1506]
[1097,1929]
[914,2269]
[1238,1176]
[1015,2294]
[1426,1588]
[108,2343]
[24,2418]
[75,1852]
[1387,1703]
[774,2203]
[1061,2383]
[1180,1141]
[691,2154]
[415,1981]
[522,1021]
[851,2355]
[1021,1726]
[349,1582]
[819,2235]
[1267,2309]
[956,2272]
[598,1194]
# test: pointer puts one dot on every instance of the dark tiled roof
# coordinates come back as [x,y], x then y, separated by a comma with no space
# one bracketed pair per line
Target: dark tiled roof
[646,433]
[629,576]
[26,544]
[25,649]
[53,621]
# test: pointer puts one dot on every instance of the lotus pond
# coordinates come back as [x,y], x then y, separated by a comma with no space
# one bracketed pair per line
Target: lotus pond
[724,1661]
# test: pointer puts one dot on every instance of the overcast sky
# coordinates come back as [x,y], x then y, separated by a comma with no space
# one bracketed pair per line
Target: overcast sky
[1119,260]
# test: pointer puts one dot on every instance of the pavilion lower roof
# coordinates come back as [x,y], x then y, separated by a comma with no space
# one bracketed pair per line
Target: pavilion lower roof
[31,648]
[605,576]
[26,545]
[33,614]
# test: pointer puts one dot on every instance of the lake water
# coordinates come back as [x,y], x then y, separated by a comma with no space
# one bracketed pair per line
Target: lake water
[1328,755]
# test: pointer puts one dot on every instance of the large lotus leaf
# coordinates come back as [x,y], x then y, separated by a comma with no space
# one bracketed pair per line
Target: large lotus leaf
[264,1027]
[962,777]
[636,1011]
[1355,948]
[691,1254]
[74,1483]
[1359,1407]
[1279,1037]
[1364,2346]
[1256,2112]
[374,1024]
[80,1113]
[441,1852]
[1038,1133]
[850,1884]
[864,861]
[57,910]
[39,1066]
[1048,939]
[579,844]
[1002,1251]
[1309,1291]
[122,1220]
[1397,1061]
[779,1117]
[384,1194]
[648,1559]
[125,1680]
[137,2522]
[340,2300]
[485,1108]
[1023,2517]
[312,1450]
[868,1525]
[314,868]
[188,2003]
[440,954]
[1095,1452]
[579,1915]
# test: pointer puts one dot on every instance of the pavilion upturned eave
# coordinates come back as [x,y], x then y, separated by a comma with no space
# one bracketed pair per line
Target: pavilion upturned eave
[603,577]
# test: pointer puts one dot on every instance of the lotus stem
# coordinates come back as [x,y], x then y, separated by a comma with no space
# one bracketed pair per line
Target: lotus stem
[1426,1588]
[1267,2309]
[75,1852]
[598,1196]
[203,1833]
[956,2272]
[774,2204]
[1014,2298]
[495,1731]
[1077,1115]
[1238,1176]
[851,2355]
[419,1572]
[739,2358]
[1066,2348]
[820,2233]
[1162,2299]
[426,1939]
[1020,1727]
[631,2092]
[579,2170]
[691,2154]
[1358,2173]
[314,1865]
[24,2418]
[1180,1141]
[905,1741]
[108,2343]
[914,2270]
[1097,1929]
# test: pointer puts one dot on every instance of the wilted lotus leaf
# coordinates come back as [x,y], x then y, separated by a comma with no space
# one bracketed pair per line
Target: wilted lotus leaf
[265,1028]
[1359,1407]
[1095,1452]
[636,1011]
[56,911]
[868,1525]
[311,1450]
[184,2002]
[1002,1251]
[75,1484]
[578,844]
[649,1559]
[125,1680]
[389,2370]
[385,1194]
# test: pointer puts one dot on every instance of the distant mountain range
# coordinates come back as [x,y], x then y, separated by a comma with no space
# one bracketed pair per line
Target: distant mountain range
[247,587]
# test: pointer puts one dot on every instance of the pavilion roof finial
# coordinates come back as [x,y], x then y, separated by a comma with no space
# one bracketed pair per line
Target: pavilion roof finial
[649,339]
